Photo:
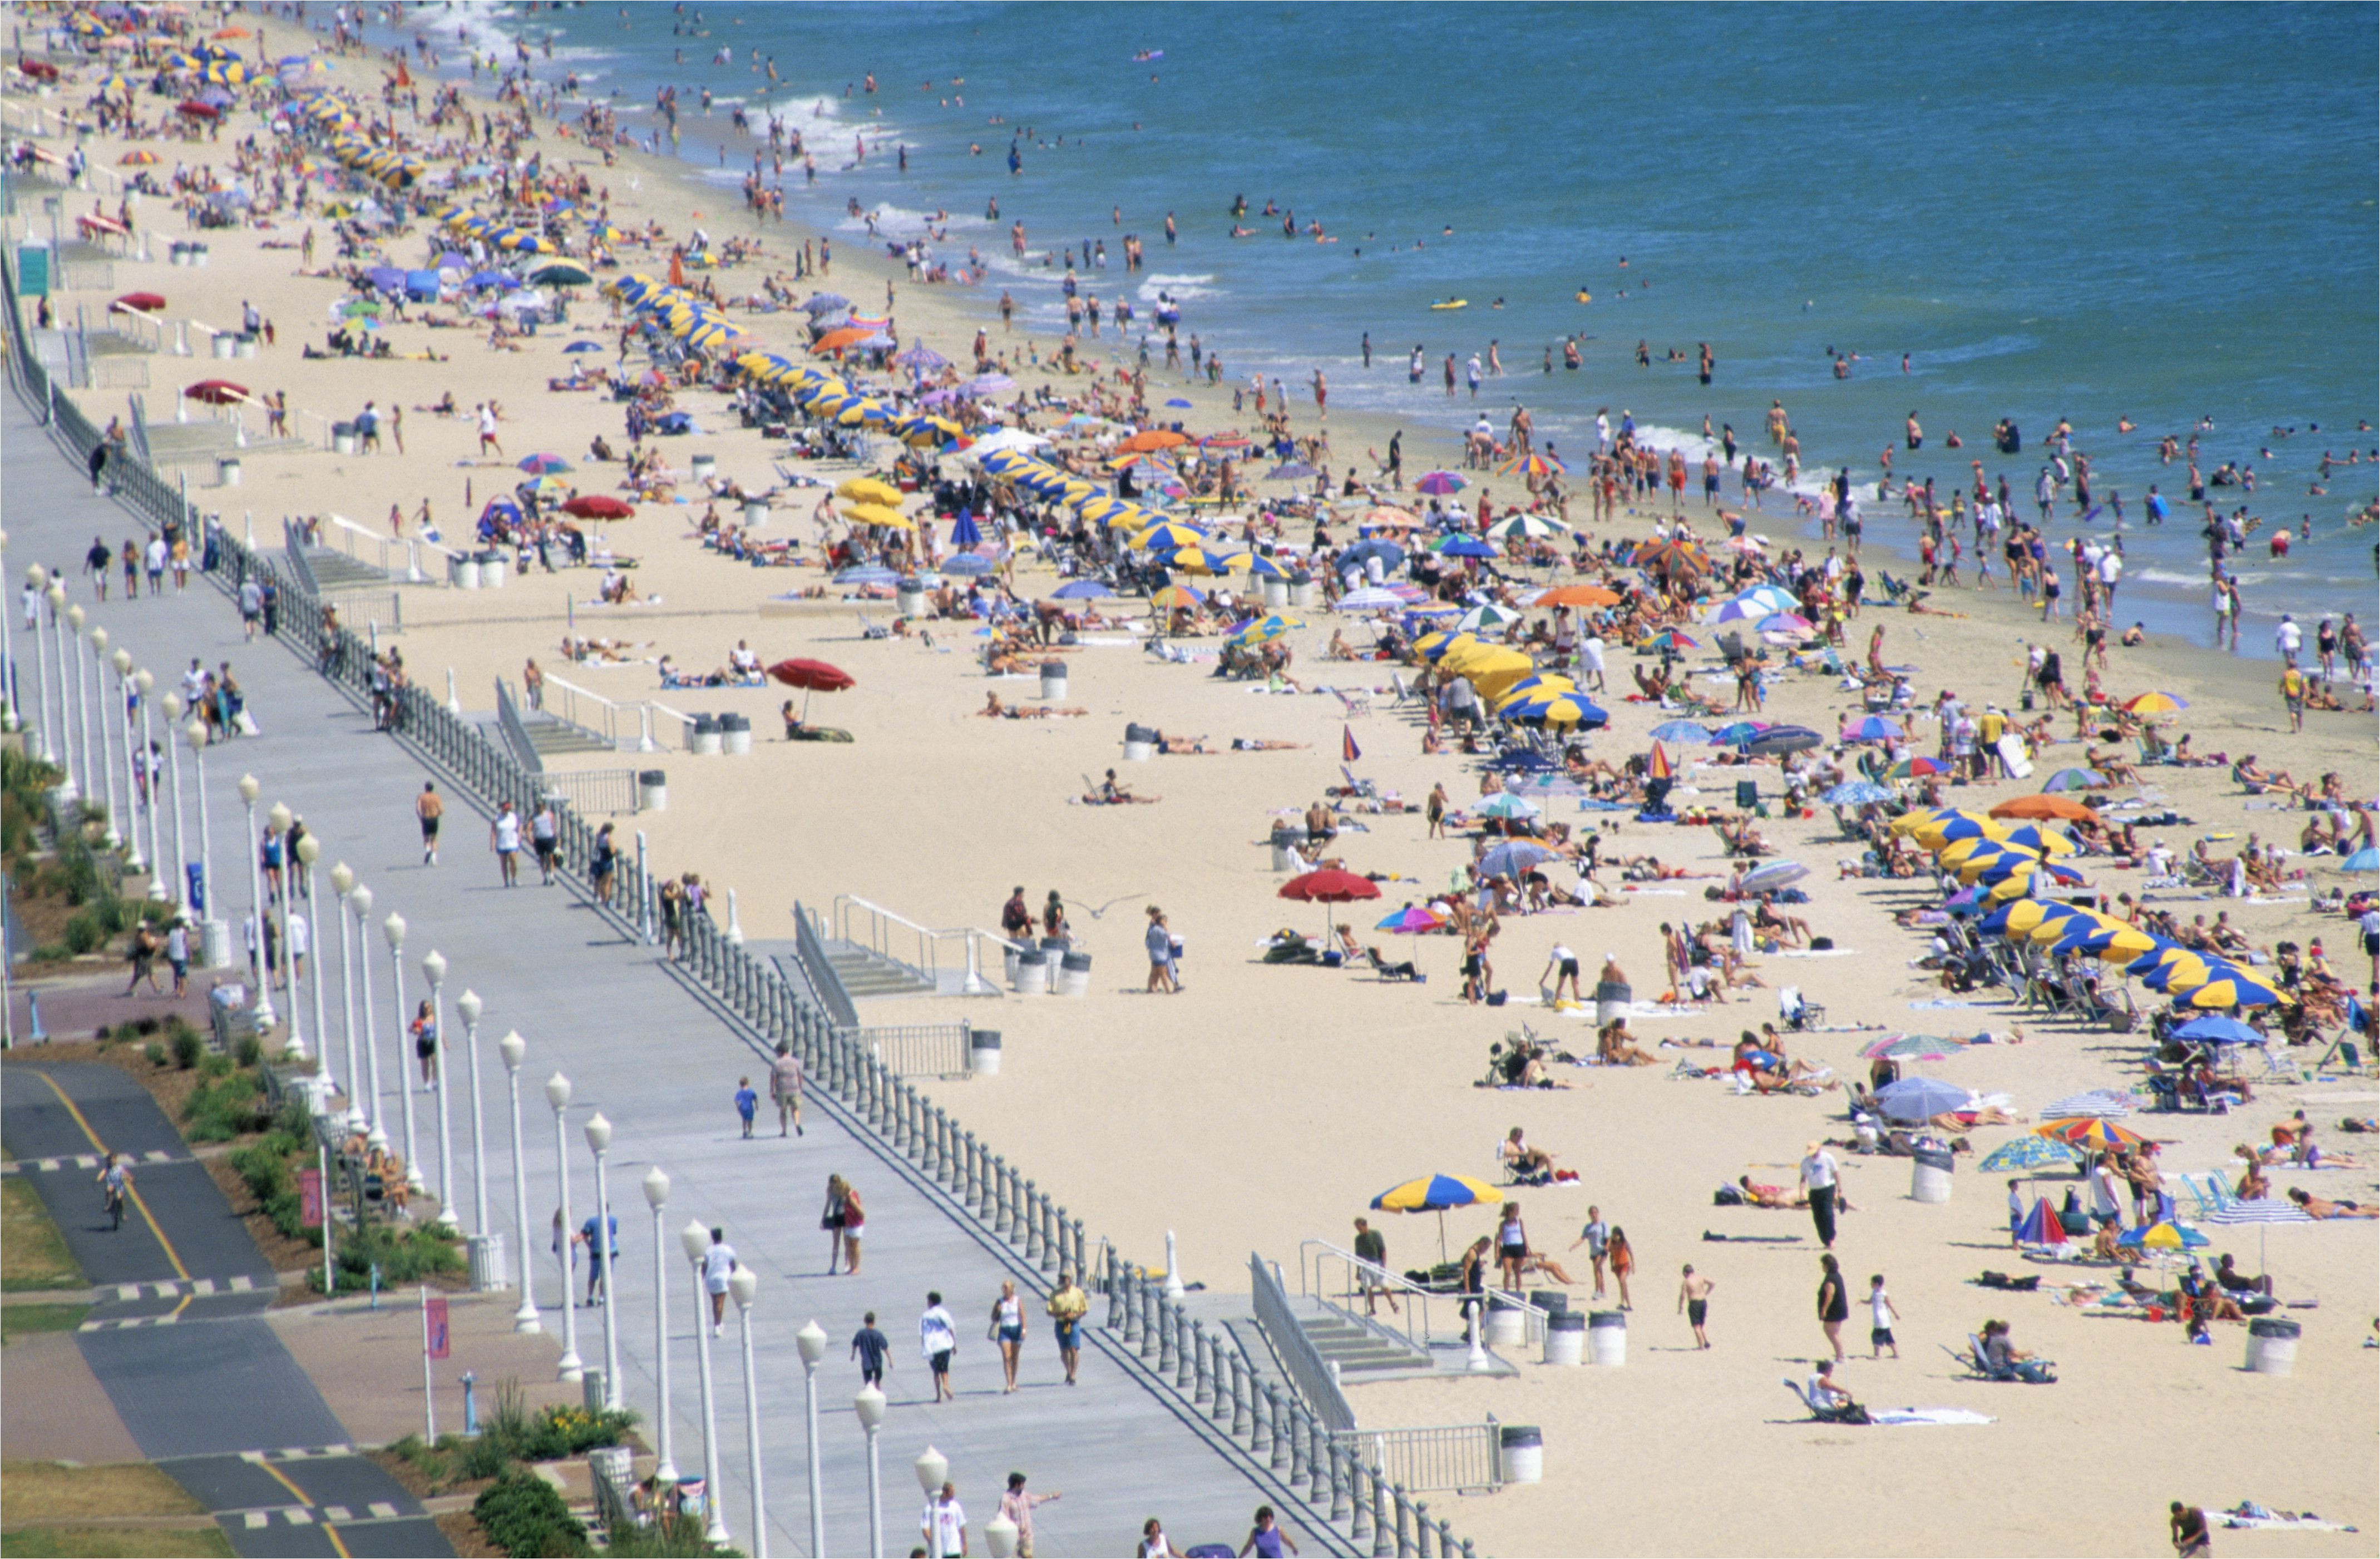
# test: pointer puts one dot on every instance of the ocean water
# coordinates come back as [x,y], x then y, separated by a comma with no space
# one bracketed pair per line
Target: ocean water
[2160,213]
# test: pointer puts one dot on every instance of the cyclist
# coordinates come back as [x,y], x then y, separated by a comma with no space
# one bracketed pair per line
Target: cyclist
[113,1181]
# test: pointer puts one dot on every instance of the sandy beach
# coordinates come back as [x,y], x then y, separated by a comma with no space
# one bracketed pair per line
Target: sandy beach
[1266,1105]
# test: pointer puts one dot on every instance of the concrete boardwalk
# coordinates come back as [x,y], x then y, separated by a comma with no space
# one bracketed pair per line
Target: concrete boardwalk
[648,1052]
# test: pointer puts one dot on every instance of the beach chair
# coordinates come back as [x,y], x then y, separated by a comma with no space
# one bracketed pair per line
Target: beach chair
[1391,971]
[1977,1363]
[1853,1414]
[1355,704]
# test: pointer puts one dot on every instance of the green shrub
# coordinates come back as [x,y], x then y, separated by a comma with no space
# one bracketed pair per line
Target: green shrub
[403,1254]
[223,1107]
[249,1051]
[479,1458]
[548,1434]
[85,933]
[525,1516]
[670,1537]
[188,1050]
[155,1054]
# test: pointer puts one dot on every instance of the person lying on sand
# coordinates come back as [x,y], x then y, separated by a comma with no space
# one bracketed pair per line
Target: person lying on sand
[2321,1207]
[1112,793]
[1770,1196]
[994,710]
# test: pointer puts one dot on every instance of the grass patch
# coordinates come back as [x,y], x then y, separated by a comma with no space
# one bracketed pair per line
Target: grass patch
[17,1320]
[115,1543]
[32,1253]
[522,1514]
[52,1492]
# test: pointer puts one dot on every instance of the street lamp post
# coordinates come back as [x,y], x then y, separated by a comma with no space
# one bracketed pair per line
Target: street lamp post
[173,703]
[743,1285]
[144,684]
[37,579]
[869,1406]
[119,722]
[81,699]
[310,849]
[433,969]
[276,823]
[512,1048]
[98,636]
[604,1248]
[933,1469]
[558,1094]
[657,1189]
[696,1240]
[811,1339]
[10,718]
[392,928]
[63,753]
[468,1005]
[194,733]
[343,882]
[360,903]
[265,1016]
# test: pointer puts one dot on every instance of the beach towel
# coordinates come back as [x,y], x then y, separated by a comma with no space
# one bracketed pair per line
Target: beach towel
[2250,1516]
[1903,1417]
[1816,952]
[1940,1004]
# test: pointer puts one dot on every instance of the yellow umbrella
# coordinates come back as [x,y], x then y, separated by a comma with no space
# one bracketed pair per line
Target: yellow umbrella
[870,489]
[878,515]
[1959,852]
[1546,687]
[2127,945]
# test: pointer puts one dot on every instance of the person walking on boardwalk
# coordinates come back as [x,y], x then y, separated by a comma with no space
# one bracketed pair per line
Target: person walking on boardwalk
[937,1339]
[1067,1306]
[786,1088]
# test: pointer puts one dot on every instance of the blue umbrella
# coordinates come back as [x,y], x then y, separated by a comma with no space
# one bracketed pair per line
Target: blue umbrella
[1506,805]
[478,279]
[963,531]
[1856,792]
[969,565]
[1513,859]
[2216,1028]
[583,346]
[1681,730]
[2028,1151]
[1466,546]
[1920,1098]
[1775,875]
[867,573]
[824,303]
[1392,556]
[1291,471]
[1179,404]
[1082,590]
[1739,732]
[2365,860]
[384,276]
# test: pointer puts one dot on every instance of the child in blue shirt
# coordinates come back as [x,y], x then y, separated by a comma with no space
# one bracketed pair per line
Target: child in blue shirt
[747,1102]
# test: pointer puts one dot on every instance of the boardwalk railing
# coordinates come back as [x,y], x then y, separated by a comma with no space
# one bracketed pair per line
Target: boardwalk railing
[1315,1381]
[1344,1501]
[293,543]
[809,945]
[1425,1316]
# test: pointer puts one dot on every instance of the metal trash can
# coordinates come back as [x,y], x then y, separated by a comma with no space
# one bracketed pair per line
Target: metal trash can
[590,1387]
[2272,1346]
[1276,595]
[704,742]
[227,346]
[1284,840]
[226,470]
[614,1466]
[343,437]
[1300,591]
[1074,975]
[983,1052]
[1929,1176]
[755,511]
[1032,972]
[1508,1324]
[493,566]
[490,1272]
[1566,1338]
[703,466]
[652,789]
[1606,1338]
[1008,954]
[464,570]
[1139,752]
[1521,1453]
[1053,679]
[1612,1001]
[734,734]
[909,598]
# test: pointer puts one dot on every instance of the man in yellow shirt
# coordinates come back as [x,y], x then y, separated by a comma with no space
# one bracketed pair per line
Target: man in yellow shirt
[1066,1309]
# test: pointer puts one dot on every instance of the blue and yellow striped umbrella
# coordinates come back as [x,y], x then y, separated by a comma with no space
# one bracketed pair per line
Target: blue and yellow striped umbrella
[1436,1193]
[1170,536]
[1534,687]
[1263,629]
[1554,709]
[2236,990]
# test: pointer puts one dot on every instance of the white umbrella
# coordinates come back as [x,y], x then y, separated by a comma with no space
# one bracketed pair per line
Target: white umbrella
[1004,439]
[1489,617]
[2263,1212]
[1370,600]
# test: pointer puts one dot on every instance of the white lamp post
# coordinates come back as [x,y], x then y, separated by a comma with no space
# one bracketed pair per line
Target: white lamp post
[433,969]
[360,903]
[265,1016]
[115,730]
[37,579]
[194,733]
[513,1048]
[743,1285]
[394,929]
[657,1189]
[604,1248]
[62,752]
[276,823]
[869,1406]
[181,894]
[9,718]
[558,1094]
[144,684]
[696,1240]
[343,881]
[468,1005]
[812,1342]
[933,1471]
[81,699]
[308,850]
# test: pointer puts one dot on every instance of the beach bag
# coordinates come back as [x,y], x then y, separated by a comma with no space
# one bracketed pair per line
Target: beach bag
[1726,1196]
[247,723]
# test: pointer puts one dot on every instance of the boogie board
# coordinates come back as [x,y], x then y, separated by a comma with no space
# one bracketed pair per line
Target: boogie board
[2011,751]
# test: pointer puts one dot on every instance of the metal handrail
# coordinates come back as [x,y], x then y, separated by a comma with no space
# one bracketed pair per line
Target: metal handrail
[811,948]
[607,713]
[516,731]
[1315,1381]
[293,542]
[353,537]
[923,940]
[1420,1302]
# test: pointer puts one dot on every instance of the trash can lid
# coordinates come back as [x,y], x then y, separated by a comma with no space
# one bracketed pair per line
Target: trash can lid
[1934,1158]
[706,722]
[2274,1326]
[1567,1320]
[1032,955]
[983,1039]
[1553,1301]
[734,722]
[1601,1318]
[1520,1434]
[1074,961]
[652,777]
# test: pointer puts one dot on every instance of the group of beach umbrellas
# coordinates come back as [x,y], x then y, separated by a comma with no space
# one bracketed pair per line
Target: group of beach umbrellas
[1508,680]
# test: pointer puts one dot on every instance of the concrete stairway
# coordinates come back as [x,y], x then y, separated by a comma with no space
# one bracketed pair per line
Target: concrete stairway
[336,570]
[1359,1351]
[556,737]
[865,973]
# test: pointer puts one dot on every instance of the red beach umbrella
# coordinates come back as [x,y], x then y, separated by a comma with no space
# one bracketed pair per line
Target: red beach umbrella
[218,391]
[811,676]
[1329,887]
[140,303]
[599,506]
